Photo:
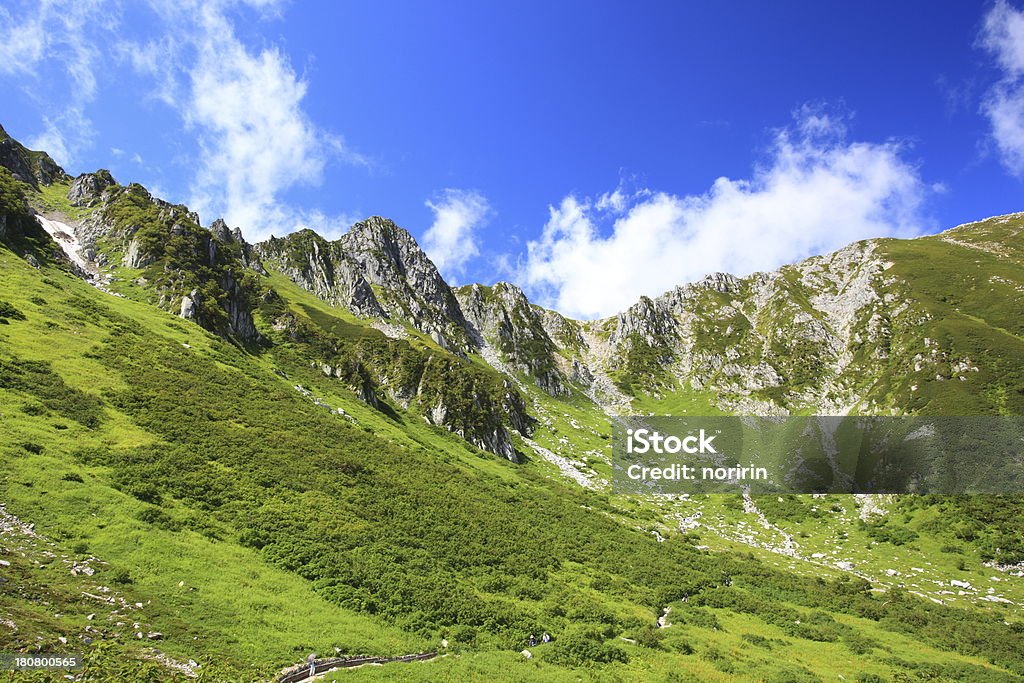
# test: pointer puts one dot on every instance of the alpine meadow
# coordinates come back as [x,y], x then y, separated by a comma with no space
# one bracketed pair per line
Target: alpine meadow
[221,456]
[433,401]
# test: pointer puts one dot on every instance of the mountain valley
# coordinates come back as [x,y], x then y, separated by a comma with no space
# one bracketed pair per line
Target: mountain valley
[222,456]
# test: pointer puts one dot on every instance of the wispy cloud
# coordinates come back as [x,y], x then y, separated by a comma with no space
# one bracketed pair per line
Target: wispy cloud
[243,105]
[452,239]
[1002,35]
[256,140]
[245,108]
[57,40]
[816,192]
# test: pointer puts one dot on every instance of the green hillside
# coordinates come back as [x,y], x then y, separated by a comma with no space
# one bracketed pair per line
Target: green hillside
[201,492]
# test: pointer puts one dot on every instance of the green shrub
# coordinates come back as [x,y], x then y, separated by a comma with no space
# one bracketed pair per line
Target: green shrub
[583,648]
[7,311]
[158,518]
[757,640]
[650,637]
[121,576]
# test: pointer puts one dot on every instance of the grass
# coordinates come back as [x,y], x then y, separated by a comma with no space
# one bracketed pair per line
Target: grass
[255,526]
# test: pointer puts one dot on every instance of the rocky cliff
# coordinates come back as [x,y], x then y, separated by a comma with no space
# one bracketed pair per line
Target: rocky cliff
[376,269]
[28,166]
[876,327]
[500,318]
[196,273]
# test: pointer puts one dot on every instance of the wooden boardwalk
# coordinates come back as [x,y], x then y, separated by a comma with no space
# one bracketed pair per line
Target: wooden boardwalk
[301,672]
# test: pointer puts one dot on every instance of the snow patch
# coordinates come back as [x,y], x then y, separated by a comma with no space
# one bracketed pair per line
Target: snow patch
[64,235]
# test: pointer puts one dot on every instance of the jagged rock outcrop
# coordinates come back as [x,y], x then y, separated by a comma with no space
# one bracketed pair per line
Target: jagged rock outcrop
[28,166]
[375,270]
[190,270]
[88,188]
[237,304]
[480,406]
[233,239]
[323,268]
[766,344]
[502,318]
[647,321]
[190,304]
[411,286]
[473,406]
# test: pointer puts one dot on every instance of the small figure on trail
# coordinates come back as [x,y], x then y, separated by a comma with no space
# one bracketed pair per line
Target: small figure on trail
[546,638]
[311,660]
[533,641]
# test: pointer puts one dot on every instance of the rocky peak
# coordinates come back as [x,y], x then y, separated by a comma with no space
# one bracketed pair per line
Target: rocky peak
[87,188]
[725,283]
[233,239]
[376,270]
[501,317]
[34,168]
[392,260]
[323,268]
[649,320]
[192,272]
[221,231]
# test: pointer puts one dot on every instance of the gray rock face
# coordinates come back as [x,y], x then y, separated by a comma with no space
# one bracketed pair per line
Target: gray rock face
[765,344]
[375,253]
[34,168]
[238,308]
[135,257]
[390,258]
[502,317]
[323,268]
[190,305]
[649,320]
[87,189]
[377,270]
[234,240]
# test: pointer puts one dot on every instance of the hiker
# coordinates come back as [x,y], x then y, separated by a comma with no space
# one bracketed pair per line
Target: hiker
[546,638]
[311,660]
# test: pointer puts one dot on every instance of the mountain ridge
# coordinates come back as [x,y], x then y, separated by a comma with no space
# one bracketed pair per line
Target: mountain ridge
[225,480]
[789,340]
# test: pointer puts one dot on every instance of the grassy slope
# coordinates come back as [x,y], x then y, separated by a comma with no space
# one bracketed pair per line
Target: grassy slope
[278,616]
[241,608]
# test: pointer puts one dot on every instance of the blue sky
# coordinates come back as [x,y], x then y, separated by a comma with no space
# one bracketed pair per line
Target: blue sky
[590,152]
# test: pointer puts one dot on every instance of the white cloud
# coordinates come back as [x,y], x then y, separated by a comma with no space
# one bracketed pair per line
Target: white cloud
[1003,36]
[64,34]
[255,139]
[452,240]
[243,105]
[62,136]
[817,192]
